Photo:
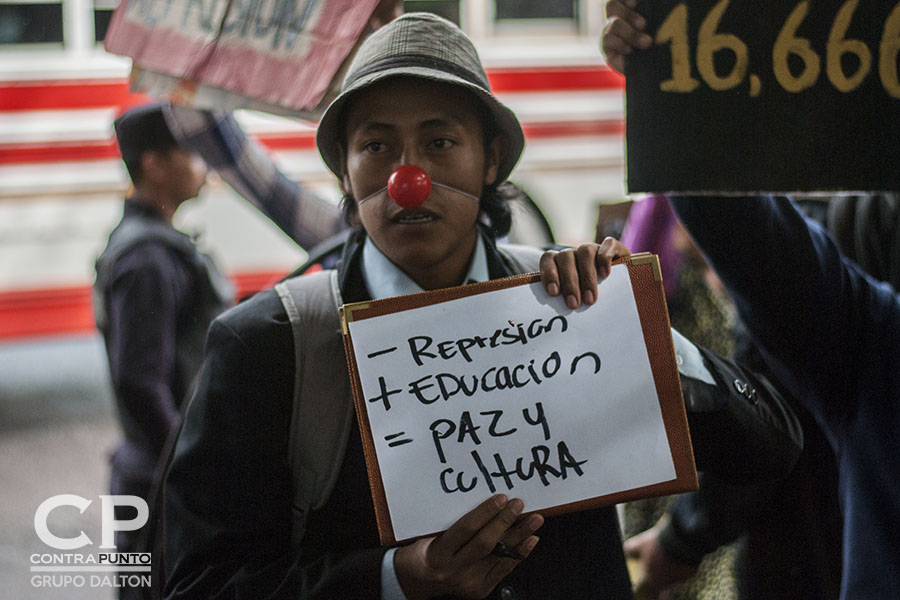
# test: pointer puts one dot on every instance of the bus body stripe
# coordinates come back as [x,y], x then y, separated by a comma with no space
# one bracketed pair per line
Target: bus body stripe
[68,310]
[50,152]
[74,94]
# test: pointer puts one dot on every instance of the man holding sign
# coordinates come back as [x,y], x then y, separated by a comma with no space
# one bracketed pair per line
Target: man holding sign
[420,145]
[232,535]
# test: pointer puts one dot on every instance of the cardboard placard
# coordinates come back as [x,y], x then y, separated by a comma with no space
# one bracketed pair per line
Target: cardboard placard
[742,96]
[498,388]
[283,56]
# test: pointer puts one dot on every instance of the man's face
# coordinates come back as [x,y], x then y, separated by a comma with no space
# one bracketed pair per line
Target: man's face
[185,174]
[437,128]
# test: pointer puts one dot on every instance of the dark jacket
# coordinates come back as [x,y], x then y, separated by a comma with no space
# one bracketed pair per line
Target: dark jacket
[789,529]
[154,297]
[228,494]
[228,491]
[831,334]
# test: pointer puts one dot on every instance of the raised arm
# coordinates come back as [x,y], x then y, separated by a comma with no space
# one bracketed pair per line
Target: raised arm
[218,138]
[812,312]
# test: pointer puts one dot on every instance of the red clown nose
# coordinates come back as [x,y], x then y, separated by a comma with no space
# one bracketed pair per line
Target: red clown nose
[409,186]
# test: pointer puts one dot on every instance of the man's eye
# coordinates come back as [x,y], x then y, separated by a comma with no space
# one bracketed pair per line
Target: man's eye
[442,143]
[374,146]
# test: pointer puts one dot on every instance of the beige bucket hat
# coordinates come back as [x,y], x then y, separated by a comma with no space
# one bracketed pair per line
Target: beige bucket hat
[419,45]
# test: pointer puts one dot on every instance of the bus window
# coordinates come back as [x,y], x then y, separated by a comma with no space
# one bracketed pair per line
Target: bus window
[449,9]
[102,18]
[103,11]
[536,9]
[22,23]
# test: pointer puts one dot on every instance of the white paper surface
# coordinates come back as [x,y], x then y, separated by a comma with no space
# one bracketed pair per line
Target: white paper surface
[598,429]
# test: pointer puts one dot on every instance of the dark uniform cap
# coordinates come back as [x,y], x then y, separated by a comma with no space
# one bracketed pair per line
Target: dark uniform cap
[141,129]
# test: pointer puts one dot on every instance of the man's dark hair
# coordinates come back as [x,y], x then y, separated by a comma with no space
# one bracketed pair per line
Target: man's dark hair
[139,130]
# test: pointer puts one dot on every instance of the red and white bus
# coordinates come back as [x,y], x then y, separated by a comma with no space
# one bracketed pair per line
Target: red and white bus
[61,179]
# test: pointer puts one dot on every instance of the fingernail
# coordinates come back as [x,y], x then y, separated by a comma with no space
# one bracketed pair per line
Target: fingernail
[516,506]
[553,289]
[571,301]
[645,41]
[587,296]
[500,501]
[640,22]
[531,542]
[535,521]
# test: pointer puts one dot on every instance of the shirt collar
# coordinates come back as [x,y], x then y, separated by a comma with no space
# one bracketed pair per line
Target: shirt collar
[133,207]
[385,280]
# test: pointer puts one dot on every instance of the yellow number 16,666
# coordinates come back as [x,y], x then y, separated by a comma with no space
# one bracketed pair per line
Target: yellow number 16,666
[674,30]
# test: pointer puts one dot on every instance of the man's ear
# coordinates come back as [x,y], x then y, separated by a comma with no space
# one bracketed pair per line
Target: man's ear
[495,153]
[152,166]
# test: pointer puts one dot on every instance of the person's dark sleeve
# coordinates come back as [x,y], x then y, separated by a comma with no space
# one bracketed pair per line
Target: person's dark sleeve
[812,313]
[743,431]
[719,512]
[715,515]
[228,497]
[743,428]
[147,288]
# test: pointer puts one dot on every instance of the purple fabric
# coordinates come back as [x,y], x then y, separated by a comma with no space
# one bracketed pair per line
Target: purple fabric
[650,228]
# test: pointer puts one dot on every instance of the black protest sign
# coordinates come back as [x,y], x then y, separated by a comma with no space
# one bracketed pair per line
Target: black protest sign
[746,96]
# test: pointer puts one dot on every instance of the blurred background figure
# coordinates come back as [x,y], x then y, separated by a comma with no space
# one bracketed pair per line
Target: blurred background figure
[155,293]
[867,230]
[787,534]
[700,309]
[155,296]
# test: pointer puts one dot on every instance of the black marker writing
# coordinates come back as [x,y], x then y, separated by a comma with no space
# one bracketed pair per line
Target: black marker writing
[380,352]
[385,394]
[540,419]
[540,457]
[585,355]
[494,378]
[393,442]
[492,428]
[442,429]
[423,346]
[460,486]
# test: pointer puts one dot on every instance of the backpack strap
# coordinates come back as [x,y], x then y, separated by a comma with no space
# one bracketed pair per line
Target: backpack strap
[521,259]
[322,414]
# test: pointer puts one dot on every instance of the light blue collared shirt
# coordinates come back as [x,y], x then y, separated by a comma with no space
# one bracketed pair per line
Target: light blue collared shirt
[385,280]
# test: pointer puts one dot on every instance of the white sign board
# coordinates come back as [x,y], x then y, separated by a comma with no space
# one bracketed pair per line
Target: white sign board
[509,392]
